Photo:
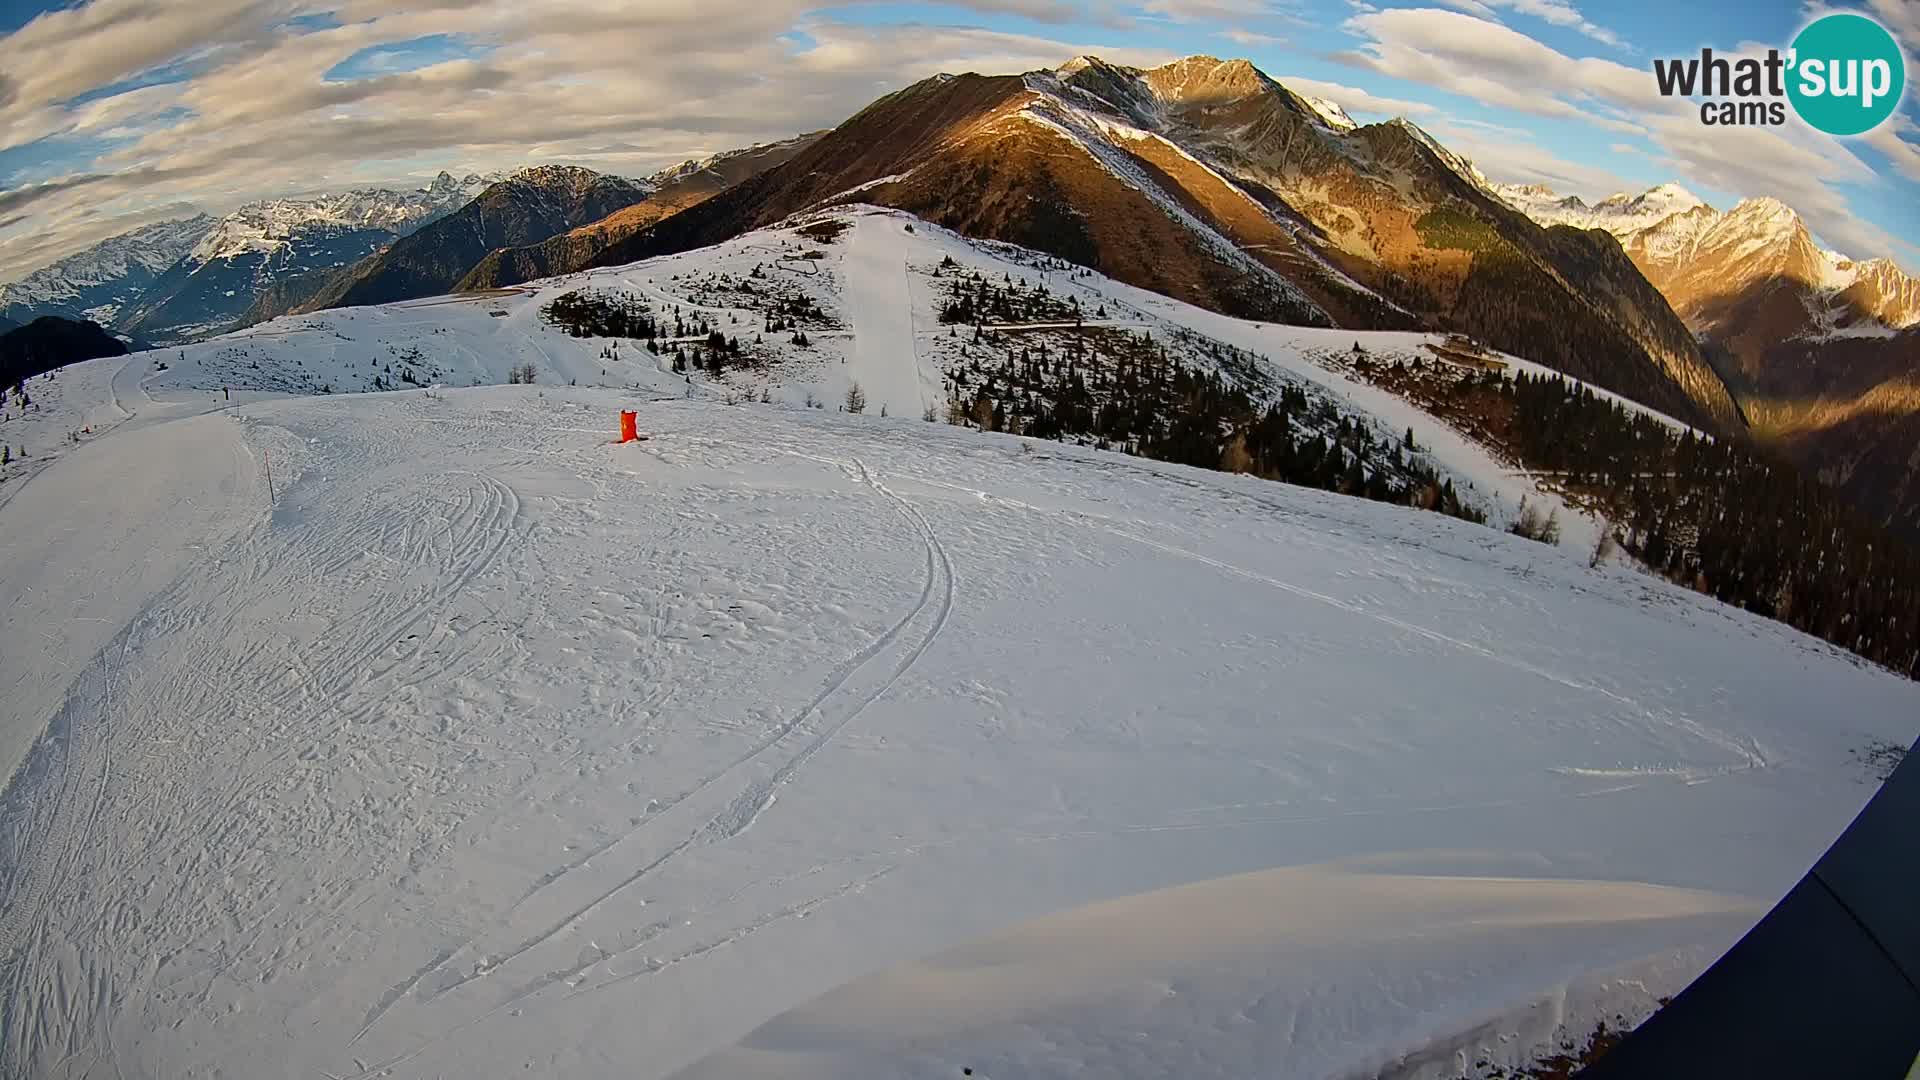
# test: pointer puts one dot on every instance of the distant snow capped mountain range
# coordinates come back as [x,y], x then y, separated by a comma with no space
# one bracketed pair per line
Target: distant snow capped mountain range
[1704,260]
[96,283]
[528,206]
[185,279]
[268,225]
[176,278]
[1618,213]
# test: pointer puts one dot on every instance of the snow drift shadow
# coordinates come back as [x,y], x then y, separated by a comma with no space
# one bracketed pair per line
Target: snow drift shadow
[1279,969]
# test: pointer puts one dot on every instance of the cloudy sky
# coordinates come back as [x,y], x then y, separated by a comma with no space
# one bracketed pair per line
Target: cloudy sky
[114,113]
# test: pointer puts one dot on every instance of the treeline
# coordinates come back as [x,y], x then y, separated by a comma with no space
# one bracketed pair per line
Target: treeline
[974,299]
[715,354]
[1709,514]
[1139,399]
[589,313]
[692,346]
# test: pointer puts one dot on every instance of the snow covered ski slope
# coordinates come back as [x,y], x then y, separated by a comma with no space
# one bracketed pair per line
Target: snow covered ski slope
[873,296]
[484,746]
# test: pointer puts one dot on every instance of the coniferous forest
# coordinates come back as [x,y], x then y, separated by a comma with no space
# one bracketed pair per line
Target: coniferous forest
[1713,515]
[1113,389]
[692,345]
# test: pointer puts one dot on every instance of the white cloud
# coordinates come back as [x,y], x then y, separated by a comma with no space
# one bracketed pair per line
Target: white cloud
[1901,152]
[1560,13]
[1187,11]
[1902,18]
[629,87]
[1354,99]
[1497,65]
[1557,12]
[1507,156]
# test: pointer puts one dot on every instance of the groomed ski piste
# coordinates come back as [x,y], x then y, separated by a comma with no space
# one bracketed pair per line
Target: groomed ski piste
[789,742]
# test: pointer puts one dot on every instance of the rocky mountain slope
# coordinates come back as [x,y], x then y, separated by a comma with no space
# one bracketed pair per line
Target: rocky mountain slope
[1747,277]
[1822,350]
[99,282]
[1210,182]
[528,206]
[267,242]
[673,190]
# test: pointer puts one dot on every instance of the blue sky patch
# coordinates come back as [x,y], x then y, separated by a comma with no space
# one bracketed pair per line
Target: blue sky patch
[396,57]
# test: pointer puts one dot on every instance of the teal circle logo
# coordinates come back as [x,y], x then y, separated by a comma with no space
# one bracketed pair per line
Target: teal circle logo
[1847,74]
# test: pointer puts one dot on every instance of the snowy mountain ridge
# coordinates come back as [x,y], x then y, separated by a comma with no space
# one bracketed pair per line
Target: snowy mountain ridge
[266,226]
[689,167]
[1330,111]
[1687,247]
[97,282]
[1461,166]
[572,179]
[1619,213]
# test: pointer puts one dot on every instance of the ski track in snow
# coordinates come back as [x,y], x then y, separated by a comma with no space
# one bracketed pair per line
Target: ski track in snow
[841,701]
[493,747]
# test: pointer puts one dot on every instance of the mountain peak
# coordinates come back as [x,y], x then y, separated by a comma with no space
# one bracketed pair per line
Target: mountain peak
[554,174]
[1763,208]
[1656,204]
[1672,192]
[1331,112]
[1764,217]
[1668,208]
[1208,78]
[780,149]
[572,182]
[1460,166]
[265,227]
